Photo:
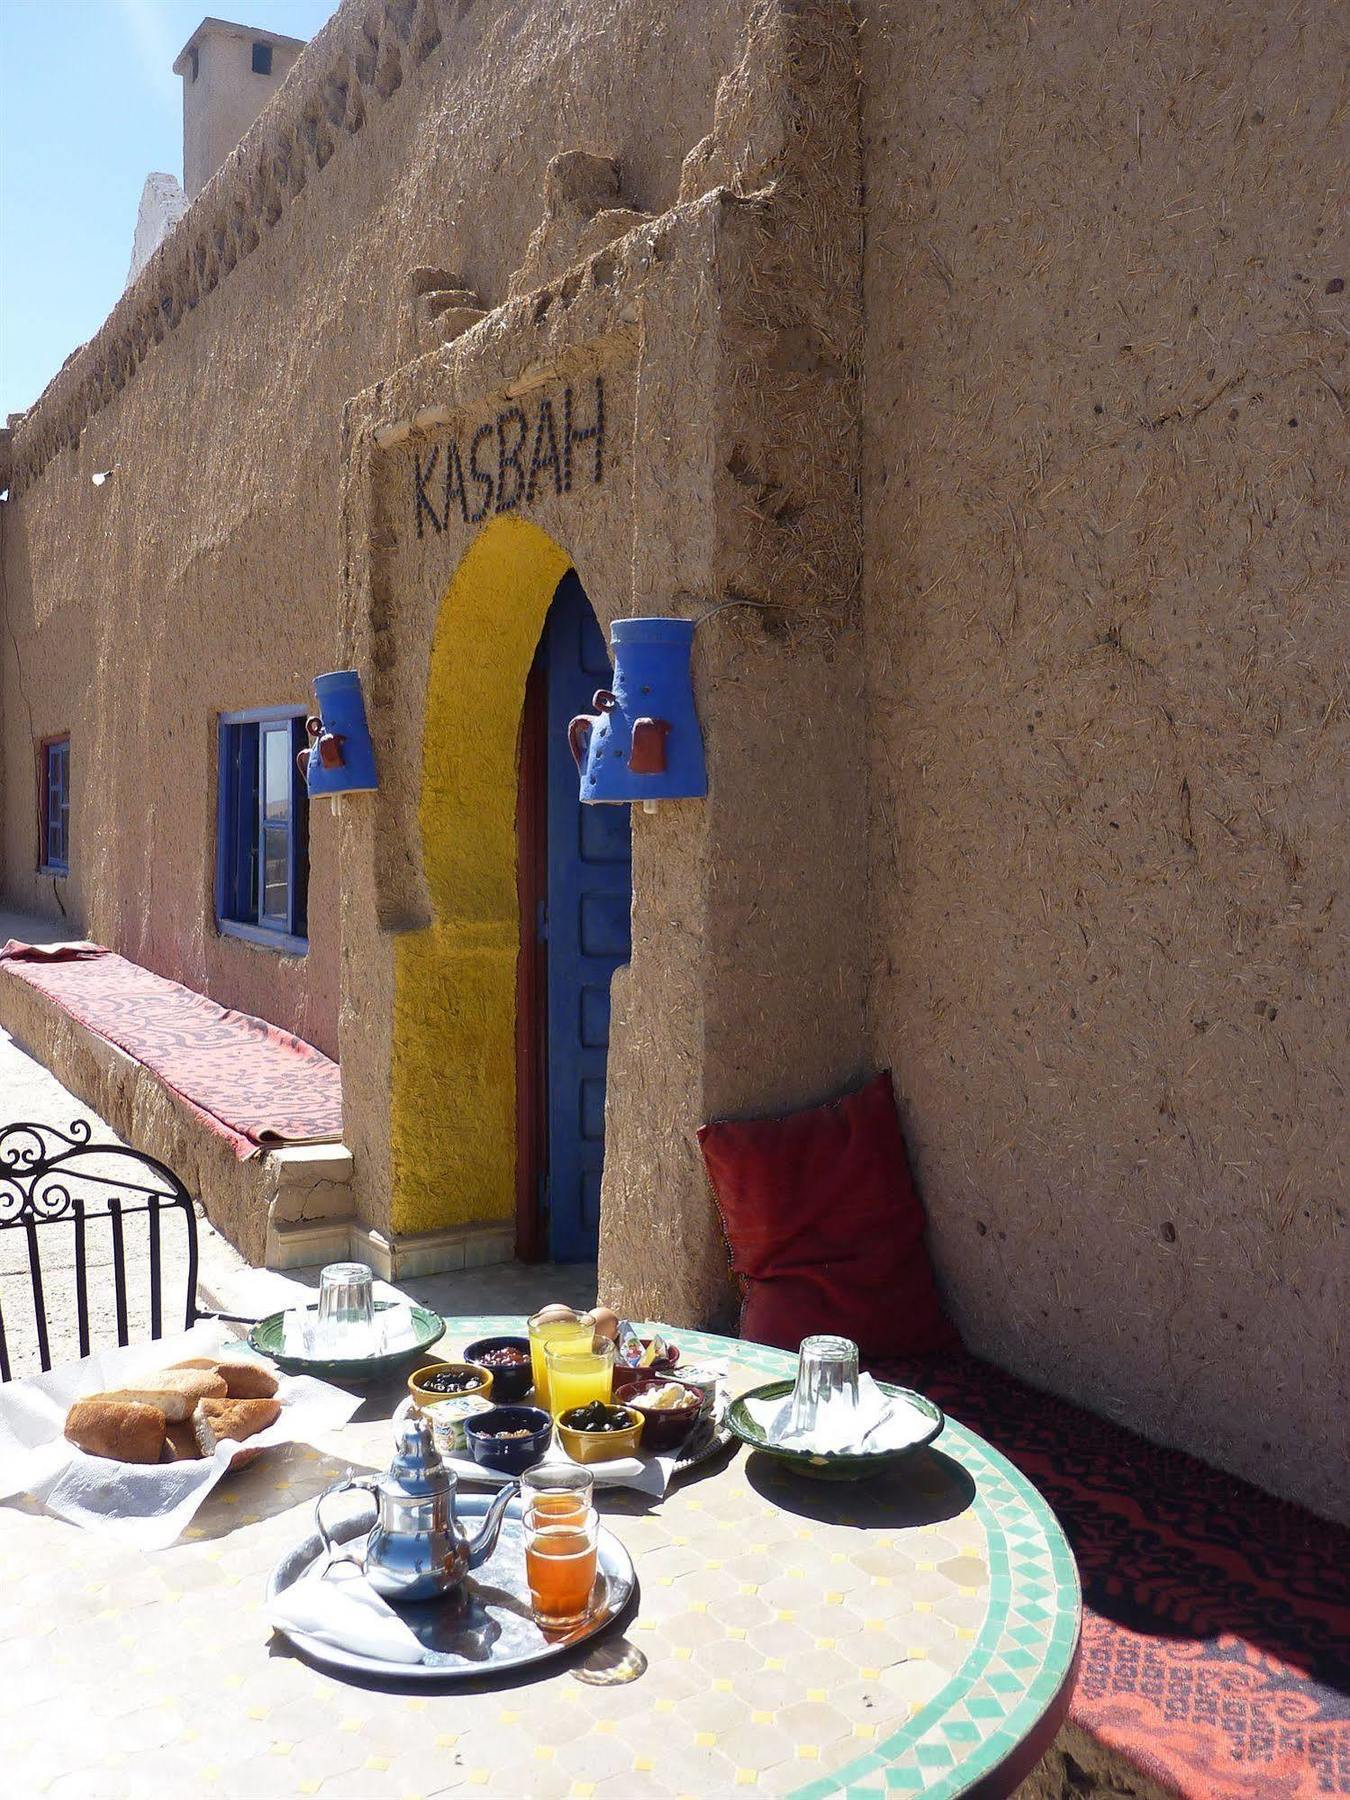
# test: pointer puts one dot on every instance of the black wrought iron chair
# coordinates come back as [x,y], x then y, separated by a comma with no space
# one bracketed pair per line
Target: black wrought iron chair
[54,1178]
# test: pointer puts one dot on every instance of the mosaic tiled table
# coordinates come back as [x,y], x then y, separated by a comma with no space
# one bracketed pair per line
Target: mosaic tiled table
[909,1636]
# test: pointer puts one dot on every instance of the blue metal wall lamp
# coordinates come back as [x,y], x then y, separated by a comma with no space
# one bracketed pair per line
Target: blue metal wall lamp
[643,741]
[341,757]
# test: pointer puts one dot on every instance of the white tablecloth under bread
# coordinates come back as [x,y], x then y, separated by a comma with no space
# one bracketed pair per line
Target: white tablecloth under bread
[146,1505]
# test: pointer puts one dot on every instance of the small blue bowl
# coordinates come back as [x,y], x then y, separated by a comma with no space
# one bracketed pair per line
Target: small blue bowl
[508,1385]
[509,1456]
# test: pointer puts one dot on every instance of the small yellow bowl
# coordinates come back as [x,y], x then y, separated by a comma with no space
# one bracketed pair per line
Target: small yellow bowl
[424,1397]
[601,1446]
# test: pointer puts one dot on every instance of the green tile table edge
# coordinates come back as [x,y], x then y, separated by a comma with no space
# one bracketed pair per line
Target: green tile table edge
[1003,1498]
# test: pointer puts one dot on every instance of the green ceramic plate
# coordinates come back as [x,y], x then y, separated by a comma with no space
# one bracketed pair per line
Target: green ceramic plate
[266,1338]
[833,1466]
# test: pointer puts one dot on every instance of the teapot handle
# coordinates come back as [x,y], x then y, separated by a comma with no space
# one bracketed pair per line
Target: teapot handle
[334,1553]
[579,736]
[603,701]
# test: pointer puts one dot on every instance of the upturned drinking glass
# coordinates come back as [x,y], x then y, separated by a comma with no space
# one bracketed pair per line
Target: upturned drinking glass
[827,1376]
[345,1323]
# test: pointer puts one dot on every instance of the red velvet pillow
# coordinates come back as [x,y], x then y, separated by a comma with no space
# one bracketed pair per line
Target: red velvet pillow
[825,1228]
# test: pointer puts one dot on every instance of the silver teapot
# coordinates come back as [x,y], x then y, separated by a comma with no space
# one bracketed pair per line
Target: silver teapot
[416,1549]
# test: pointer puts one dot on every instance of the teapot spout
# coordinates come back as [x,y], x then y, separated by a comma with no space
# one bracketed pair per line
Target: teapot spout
[484,1542]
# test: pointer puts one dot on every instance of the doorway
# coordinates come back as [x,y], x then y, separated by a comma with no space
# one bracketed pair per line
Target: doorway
[574,877]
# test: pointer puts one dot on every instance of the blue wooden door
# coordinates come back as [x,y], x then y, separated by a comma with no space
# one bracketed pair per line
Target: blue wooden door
[588,901]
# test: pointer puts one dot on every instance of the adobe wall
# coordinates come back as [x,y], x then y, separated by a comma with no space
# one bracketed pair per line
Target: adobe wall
[206,574]
[1107,672]
[724,336]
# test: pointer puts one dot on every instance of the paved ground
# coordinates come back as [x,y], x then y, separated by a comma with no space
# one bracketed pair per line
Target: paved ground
[225,1281]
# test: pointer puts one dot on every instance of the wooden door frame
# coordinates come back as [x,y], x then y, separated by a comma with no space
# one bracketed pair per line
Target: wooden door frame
[532,965]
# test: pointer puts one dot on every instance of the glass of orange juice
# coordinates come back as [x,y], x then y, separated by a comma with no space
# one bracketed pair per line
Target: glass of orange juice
[573,1331]
[576,1376]
[560,1565]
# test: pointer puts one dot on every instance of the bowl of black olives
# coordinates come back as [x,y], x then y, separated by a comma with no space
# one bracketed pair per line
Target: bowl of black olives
[598,1432]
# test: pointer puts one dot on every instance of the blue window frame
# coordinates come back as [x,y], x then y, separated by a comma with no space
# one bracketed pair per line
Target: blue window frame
[54,777]
[262,829]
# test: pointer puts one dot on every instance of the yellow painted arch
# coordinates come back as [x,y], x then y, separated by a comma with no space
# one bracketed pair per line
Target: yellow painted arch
[453,1128]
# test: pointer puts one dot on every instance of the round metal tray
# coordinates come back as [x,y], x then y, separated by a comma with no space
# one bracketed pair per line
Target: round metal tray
[487,1628]
[267,1337]
[832,1465]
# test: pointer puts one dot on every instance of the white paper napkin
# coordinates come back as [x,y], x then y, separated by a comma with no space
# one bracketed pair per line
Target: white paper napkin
[146,1505]
[880,1422]
[343,1609]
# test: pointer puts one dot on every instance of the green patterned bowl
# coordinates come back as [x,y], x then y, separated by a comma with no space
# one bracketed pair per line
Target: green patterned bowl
[266,1338]
[833,1465]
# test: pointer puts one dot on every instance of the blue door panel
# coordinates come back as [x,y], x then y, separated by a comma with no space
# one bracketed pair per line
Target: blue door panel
[606,926]
[604,833]
[595,1018]
[589,903]
[593,1111]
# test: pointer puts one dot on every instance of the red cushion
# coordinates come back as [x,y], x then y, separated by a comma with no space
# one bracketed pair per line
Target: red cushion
[825,1227]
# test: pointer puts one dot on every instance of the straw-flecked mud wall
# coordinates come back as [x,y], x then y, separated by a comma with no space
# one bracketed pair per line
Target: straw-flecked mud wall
[406,151]
[1104,488]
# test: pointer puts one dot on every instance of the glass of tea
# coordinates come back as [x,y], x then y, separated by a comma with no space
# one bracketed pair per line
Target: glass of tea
[560,1564]
[561,1491]
[578,1375]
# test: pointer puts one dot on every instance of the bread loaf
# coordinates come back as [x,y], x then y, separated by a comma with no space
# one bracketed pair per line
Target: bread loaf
[126,1430]
[244,1380]
[215,1420]
[180,1444]
[174,1391]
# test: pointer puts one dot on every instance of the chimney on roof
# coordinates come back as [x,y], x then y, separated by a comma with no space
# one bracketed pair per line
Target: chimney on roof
[229,74]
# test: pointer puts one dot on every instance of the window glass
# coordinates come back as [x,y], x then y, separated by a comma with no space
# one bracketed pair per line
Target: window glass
[262,873]
[55,797]
[276,799]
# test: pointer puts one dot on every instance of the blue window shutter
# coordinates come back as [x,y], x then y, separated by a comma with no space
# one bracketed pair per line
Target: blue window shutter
[262,864]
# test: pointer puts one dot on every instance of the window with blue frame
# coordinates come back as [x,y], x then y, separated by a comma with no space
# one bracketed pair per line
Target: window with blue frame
[262,837]
[54,777]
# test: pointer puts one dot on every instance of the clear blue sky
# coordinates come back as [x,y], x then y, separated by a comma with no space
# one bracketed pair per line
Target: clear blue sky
[89,105]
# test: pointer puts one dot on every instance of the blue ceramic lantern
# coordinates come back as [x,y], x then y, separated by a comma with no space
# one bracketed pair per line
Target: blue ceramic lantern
[643,742]
[341,755]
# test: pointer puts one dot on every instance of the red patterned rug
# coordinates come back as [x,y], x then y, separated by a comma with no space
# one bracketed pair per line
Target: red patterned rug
[249,1082]
[1216,1628]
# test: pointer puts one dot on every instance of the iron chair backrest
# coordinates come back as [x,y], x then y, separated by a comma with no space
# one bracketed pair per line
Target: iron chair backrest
[49,1177]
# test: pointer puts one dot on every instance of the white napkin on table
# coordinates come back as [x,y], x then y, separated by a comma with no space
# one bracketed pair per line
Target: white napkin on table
[880,1422]
[647,1474]
[342,1608]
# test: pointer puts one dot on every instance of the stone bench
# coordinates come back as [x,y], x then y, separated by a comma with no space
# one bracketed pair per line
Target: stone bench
[1215,1660]
[286,1207]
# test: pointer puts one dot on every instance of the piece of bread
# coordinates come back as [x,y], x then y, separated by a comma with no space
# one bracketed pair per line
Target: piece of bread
[125,1430]
[180,1444]
[215,1420]
[174,1391]
[244,1380]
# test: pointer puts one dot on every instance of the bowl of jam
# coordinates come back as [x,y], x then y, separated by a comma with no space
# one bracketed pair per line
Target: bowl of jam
[598,1432]
[444,1380]
[509,1360]
[510,1439]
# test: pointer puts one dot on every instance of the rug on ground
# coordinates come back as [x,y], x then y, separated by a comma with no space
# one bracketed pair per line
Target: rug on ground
[1216,1619]
[251,1083]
